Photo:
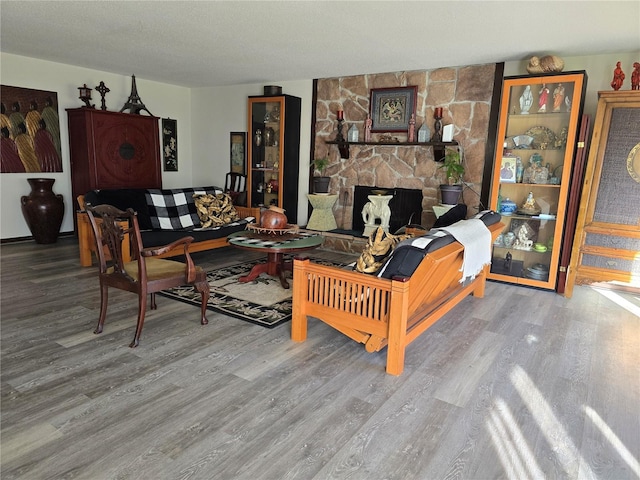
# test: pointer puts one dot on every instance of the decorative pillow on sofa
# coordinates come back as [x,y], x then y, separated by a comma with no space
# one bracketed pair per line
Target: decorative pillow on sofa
[215,210]
[175,209]
[377,250]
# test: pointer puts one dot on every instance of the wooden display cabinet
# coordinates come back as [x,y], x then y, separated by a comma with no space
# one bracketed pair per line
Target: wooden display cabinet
[273,153]
[538,126]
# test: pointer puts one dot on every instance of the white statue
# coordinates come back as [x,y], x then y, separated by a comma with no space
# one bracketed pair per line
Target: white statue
[376,208]
[526,100]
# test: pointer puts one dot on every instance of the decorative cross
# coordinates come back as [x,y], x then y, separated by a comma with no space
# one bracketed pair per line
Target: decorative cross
[102,90]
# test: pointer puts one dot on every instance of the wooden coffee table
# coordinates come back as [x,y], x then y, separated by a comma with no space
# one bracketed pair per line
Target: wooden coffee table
[275,246]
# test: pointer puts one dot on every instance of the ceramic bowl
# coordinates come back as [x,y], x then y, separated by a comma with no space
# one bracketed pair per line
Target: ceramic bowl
[539,247]
[507,207]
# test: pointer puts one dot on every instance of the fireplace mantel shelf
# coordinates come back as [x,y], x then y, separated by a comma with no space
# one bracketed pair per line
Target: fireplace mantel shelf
[438,147]
[397,144]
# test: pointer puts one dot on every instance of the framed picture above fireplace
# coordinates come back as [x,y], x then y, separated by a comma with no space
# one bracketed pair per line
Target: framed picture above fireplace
[391,108]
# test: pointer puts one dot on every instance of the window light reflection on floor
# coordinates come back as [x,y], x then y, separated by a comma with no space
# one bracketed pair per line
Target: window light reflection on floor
[606,431]
[515,455]
[618,300]
[566,452]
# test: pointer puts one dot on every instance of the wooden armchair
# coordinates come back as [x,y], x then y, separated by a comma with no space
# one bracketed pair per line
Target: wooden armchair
[145,273]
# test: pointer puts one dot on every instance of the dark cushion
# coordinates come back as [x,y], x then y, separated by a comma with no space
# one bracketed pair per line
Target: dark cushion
[453,215]
[123,198]
[409,253]
[154,238]
[489,217]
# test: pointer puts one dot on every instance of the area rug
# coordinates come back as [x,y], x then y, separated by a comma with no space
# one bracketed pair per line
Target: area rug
[263,301]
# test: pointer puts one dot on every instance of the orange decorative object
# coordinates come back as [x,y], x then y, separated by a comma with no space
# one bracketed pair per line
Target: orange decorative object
[618,77]
[273,218]
[635,76]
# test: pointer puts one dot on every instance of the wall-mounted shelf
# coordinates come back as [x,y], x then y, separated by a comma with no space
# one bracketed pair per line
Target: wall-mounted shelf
[438,147]
[398,144]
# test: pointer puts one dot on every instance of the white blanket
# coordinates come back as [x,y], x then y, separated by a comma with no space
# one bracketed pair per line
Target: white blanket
[475,237]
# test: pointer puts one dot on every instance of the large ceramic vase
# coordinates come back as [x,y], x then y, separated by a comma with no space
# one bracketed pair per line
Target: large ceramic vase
[43,210]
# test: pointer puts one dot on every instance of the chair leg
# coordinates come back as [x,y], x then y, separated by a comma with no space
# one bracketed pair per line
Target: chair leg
[104,296]
[153,305]
[142,307]
[203,288]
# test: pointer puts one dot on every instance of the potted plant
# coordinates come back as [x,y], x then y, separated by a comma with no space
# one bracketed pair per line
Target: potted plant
[451,192]
[321,182]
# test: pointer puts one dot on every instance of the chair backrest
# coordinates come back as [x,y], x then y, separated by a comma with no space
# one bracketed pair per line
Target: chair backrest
[235,182]
[110,227]
[235,185]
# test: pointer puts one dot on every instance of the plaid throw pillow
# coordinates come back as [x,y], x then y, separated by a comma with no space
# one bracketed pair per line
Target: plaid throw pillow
[175,209]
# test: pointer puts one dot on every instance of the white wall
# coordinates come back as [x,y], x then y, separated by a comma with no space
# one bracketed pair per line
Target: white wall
[218,111]
[205,118]
[162,100]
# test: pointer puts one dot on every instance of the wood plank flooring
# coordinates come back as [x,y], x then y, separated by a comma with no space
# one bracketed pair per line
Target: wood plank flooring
[521,384]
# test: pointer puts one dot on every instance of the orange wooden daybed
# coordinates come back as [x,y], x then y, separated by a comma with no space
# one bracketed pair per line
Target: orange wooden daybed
[381,312]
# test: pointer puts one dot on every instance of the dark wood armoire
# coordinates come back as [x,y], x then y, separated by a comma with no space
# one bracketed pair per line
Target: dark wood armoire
[113,150]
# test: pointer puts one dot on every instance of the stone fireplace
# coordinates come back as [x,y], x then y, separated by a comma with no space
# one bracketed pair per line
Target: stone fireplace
[464,93]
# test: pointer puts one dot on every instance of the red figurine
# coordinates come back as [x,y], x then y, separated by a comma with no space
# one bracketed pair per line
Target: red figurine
[618,77]
[635,76]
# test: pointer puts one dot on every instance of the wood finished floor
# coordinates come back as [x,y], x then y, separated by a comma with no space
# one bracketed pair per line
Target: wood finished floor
[521,384]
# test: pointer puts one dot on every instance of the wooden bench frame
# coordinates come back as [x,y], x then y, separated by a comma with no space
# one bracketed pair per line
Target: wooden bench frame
[87,242]
[380,312]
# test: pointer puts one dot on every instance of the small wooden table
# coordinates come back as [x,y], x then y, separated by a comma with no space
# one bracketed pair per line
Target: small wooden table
[275,246]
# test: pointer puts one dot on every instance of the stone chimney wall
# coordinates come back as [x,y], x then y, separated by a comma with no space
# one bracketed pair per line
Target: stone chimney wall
[464,93]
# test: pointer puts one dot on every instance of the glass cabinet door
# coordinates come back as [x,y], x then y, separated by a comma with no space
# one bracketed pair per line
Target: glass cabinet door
[264,178]
[530,185]
[273,153]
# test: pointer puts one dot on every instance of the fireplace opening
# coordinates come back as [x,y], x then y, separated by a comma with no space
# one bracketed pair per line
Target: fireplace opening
[405,206]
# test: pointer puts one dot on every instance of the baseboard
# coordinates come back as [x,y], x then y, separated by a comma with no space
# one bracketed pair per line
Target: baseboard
[30,238]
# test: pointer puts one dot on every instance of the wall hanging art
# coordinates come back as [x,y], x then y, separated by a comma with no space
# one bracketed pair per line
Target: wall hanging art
[30,131]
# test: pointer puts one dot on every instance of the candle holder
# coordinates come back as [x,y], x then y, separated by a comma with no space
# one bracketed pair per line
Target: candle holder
[437,126]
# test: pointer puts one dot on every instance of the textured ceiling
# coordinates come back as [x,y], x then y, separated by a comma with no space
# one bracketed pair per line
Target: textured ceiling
[214,43]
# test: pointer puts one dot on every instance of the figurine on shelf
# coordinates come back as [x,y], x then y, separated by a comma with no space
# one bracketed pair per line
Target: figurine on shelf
[530,206]
[367,129]
[542,101]
[526,100]
[523,242]
[411,137]
[558,97]
[618,77]
[635,76]
[535,172]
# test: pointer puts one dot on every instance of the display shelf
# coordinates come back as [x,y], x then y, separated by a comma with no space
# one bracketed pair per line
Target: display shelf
[538,127]
[273,153]
[438,147]
[398,144]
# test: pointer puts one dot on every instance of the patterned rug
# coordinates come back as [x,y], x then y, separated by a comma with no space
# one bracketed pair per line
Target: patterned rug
[263,301]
